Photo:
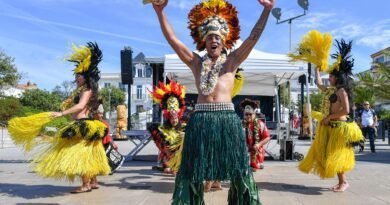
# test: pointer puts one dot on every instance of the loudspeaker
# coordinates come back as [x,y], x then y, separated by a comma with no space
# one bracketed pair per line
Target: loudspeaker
[286,149]
[127,66]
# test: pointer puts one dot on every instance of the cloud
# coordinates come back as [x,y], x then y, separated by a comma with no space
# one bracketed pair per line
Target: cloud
[350,30]
[106,33]
[316,20]
[377,35]
[181,4]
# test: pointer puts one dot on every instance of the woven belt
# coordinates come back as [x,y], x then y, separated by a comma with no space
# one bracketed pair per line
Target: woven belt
[216,106]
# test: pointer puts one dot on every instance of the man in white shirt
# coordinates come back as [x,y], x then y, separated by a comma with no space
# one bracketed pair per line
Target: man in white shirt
[368,120]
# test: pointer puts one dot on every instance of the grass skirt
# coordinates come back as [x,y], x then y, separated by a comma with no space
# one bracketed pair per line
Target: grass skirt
[76,150]
[214,149]
[332,150]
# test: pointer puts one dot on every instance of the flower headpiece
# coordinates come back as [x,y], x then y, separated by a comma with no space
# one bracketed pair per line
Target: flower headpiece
[249,105]
[171,98]
[214,17]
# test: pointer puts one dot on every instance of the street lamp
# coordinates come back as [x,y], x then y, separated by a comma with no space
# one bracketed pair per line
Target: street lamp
[277,13]
[109,105]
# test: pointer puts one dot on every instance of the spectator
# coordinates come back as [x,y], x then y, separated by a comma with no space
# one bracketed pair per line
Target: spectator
[368,120]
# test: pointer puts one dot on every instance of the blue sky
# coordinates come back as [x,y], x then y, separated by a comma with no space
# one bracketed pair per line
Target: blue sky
[38,33]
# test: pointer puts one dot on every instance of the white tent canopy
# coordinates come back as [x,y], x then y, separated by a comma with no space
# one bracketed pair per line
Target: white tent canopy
[262,72]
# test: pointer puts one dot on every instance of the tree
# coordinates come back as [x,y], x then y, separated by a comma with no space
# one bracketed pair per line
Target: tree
[8,73]
[117,97]
[41,100]
[377,84]
[65,89]
[284,97]
[316,100]
[9,107]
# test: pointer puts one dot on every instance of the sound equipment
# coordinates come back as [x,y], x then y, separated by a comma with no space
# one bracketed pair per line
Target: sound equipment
[127,66]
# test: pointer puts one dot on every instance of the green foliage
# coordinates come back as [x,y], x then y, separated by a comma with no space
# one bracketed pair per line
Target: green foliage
[64,90]
[8,73]
[41,100]
[27,111]
[56,123]
[378,83]
[316,100]
[117,98]
[361,94]
[9,107]
[284,97]
[384,114]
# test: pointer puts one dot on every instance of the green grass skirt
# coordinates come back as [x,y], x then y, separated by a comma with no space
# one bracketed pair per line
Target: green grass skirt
[215,149]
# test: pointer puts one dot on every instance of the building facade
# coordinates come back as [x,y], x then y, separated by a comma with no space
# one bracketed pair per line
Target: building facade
[141,102]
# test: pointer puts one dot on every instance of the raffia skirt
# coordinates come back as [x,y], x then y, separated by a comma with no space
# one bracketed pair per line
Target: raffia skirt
[215,149]
[76,150]
[332,150]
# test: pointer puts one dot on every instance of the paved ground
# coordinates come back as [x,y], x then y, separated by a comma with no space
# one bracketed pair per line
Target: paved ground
[136,183]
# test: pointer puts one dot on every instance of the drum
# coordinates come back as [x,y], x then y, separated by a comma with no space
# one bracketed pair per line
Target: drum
[115,159]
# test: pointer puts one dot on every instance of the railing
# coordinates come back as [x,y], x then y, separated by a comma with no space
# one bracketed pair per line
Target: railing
[2,126]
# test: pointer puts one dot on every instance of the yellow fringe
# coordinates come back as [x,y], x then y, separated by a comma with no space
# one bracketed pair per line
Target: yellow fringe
[331,152]
[24,130]
[175,160]
[69,158]
[314,48]
[238,83]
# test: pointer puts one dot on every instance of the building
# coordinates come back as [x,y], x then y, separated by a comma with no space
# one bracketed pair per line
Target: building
[380,57]
[142,73]
[19,89]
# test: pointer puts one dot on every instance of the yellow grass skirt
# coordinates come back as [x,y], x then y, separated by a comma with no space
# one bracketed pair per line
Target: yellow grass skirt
[76,150]
[332,150]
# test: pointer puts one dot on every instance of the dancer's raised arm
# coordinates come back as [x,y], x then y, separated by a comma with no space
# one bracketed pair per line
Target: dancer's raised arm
[239,55]
[184,53]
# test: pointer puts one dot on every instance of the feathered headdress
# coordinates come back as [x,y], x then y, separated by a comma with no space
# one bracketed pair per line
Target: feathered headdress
[86,59]
[249,105]
[344,61]
[171,98]
[314,48]
[214,17]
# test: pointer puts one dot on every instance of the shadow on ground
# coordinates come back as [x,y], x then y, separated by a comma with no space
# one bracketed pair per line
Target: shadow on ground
[155,186]
[382,155]
[282,187]
[33,191]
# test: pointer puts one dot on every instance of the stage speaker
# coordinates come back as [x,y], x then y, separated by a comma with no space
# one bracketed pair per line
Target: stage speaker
[127,66]
[286,149]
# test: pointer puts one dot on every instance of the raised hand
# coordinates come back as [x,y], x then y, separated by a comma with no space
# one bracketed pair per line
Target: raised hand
[158,6]
[268,4]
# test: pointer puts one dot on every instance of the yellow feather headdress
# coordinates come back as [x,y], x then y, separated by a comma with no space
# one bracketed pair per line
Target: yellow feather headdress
[86,59]
[314,48]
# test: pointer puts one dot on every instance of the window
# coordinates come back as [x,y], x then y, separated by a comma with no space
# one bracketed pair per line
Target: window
[140,108]
[299,97]
[139,91]
[106,85]
[122,87]
[139,70]
[380,59]
[149,71]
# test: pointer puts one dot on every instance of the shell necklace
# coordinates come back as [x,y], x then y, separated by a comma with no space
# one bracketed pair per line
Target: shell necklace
[209,74]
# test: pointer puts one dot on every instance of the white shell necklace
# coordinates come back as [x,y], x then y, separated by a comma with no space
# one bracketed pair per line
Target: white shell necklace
[209,74]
